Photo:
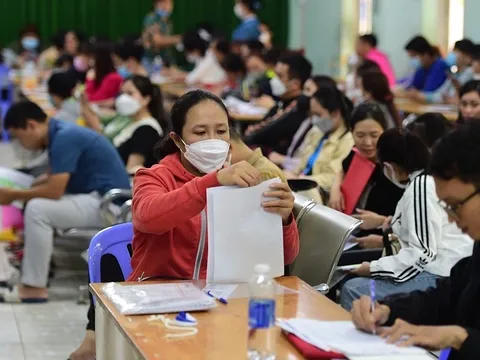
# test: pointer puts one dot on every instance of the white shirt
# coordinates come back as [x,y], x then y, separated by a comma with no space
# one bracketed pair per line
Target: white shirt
[207,71]
[429,241]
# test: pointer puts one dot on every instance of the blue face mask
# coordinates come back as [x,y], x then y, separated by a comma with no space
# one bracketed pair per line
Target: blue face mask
[415,63]
[163,13]
[451,59]
[123,72]
[30,43]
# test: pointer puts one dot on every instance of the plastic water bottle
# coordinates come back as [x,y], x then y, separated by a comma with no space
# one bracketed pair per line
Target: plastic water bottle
[261,315]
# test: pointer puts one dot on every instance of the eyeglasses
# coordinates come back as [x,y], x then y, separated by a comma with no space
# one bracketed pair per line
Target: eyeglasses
[452,210]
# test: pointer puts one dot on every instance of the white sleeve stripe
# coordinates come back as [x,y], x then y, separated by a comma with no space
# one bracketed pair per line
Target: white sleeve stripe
[406,275]
[420,212]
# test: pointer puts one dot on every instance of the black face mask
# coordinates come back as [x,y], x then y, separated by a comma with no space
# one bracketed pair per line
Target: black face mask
[303,103]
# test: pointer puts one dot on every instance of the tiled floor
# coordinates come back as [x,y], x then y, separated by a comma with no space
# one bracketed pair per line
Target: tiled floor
[47,331]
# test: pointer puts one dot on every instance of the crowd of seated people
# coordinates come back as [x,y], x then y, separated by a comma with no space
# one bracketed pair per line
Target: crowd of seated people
[110,124]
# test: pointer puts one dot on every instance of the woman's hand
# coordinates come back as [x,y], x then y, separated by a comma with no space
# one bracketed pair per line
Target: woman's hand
[363,317]
[242,174]
[370,219]
[283,204]
[336,201]
[430,337]
[369,242]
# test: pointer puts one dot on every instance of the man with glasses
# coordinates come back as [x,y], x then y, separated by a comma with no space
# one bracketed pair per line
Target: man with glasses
[446,316]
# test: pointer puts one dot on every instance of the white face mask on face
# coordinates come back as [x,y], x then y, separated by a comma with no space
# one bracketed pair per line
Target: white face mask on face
[207,155]
[127,105]
[393,178]
[278,87]
[192,59]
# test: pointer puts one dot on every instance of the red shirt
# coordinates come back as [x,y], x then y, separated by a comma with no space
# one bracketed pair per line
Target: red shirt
[108,88]
[167,202]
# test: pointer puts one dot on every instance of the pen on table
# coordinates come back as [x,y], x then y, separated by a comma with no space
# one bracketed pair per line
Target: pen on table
[221,299]
[372,299]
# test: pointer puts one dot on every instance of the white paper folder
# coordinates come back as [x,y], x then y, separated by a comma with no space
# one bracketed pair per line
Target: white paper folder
[241,234]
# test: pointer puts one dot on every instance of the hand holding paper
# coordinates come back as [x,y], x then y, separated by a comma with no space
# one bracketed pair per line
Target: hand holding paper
[284,202]
[240,174]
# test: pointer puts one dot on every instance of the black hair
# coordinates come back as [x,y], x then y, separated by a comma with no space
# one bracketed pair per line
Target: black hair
[366,65]
[323,80]
[298,67]
[404,149]
[457,155]
[370,39]
[193,41]
[366,111]
[333,100]
[421,46]
[234,63]
[64,59]
[178,116]
[58,40]
[465,46]
[127,49]
[430,127]
[376,83]
[155,106]
[255,46]
[102,52]
[476,52]
[62,84]
[252,5]
[29,29]
[272,56]
[18,114]
[223,46]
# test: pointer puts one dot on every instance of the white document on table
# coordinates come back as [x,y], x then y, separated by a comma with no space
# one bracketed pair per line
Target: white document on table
[241,234]
[343,337]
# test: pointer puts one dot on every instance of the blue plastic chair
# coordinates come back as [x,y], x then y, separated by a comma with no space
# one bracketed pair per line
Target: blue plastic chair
[5,102]
[113,240]
[444,354]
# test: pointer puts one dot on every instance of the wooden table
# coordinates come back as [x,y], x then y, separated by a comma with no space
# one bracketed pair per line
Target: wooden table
[222,331]
[411,107]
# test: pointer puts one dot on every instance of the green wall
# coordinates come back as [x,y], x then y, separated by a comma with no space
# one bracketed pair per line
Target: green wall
[117,17]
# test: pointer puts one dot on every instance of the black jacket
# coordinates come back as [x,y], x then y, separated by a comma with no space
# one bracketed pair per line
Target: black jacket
[455,301]
[277,134]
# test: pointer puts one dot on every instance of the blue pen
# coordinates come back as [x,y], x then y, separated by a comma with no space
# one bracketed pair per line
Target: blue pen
[372,298]
[222,300]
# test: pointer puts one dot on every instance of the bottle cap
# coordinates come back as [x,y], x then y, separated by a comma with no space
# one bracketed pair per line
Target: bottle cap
[262,268]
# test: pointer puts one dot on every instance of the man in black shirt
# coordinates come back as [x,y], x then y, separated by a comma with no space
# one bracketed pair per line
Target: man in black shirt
[446,316]
[276,131]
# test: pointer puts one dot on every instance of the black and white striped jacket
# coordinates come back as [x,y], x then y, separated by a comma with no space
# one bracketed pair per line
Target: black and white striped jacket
[429,242]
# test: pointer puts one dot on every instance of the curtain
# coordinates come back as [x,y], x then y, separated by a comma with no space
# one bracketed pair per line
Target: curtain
[114,18]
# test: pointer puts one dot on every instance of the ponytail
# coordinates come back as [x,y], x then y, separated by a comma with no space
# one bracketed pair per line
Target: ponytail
[156,109]
[392,110]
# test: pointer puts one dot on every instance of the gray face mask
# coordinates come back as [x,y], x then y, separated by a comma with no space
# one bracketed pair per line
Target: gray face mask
[323,123]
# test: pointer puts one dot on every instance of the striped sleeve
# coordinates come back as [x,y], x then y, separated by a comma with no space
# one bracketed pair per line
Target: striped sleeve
[420,228]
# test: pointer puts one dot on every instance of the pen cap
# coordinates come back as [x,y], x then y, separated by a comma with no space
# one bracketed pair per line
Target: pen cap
[262,269]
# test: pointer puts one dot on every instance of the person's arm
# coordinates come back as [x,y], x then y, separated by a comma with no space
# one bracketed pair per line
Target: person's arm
[424,219]
[142,142]
[437,96]
[91,118]
[53,188]
[108,88]
[417,82]
[157,210]
[434,306]
[291,241]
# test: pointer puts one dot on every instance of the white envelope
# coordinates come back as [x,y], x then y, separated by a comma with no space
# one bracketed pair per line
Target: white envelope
[241,234]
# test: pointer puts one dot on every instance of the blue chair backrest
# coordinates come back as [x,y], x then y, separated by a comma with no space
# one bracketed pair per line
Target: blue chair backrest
[444,355]
[113,240]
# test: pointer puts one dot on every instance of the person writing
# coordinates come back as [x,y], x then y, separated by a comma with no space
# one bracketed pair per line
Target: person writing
[168,199]
[445,316]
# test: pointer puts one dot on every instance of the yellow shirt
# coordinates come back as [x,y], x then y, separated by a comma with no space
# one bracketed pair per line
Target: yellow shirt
[265,167]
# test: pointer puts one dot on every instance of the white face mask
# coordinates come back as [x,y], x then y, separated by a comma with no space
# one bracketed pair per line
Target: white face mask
[207,155]
[127,105]
[238,11]
[393,178]
[192,59]
[322,122]
[265,38]
[278,87]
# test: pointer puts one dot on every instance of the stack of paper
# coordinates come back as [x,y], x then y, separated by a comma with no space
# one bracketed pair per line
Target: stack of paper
[343,337]
[157,298]
[241,234]
[242,107]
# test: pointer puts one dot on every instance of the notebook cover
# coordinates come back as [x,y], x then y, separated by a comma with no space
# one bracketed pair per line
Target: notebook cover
[355,181]
[310,351]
